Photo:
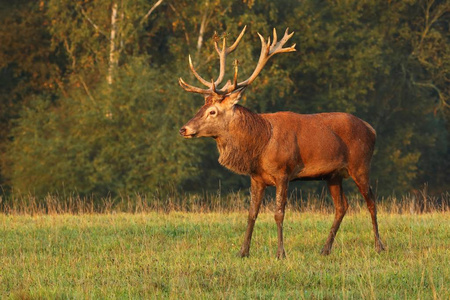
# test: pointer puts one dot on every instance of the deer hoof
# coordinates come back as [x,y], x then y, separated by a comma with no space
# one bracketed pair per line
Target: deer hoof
[325,251]
[281,254]
[379,247]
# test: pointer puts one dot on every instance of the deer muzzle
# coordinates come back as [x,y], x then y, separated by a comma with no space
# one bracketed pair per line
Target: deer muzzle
[187,132]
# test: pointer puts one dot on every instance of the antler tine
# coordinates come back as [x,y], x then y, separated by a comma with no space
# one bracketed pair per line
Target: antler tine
[275,38]
[236,66]
[213,86]
[203,81]
[192,89]
[261,62]
[267,51]
[216,38]
[224,52]
[222,57]
[233,47]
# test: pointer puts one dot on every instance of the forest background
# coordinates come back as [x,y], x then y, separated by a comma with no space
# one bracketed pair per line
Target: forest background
[90,104]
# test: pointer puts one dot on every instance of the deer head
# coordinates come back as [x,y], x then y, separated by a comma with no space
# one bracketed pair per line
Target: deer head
[214,116]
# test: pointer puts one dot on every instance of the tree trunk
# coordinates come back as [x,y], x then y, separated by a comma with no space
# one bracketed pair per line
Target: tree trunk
[113,57]
[202,31]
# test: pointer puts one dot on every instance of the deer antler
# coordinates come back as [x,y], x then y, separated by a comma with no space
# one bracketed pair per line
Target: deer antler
[222,57]
[223,54]
[267,51]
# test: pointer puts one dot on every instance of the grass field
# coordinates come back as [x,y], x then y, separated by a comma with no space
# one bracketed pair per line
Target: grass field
[193,255]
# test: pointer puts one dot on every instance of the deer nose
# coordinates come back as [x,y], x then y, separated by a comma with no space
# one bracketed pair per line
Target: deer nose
[182,131]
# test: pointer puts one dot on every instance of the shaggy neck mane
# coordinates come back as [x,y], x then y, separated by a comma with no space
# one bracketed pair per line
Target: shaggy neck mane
[243,143]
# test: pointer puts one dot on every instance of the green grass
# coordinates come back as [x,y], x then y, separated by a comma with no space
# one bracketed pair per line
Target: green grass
[193,255]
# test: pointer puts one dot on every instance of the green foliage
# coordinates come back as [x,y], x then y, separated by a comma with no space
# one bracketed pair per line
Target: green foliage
[116,141]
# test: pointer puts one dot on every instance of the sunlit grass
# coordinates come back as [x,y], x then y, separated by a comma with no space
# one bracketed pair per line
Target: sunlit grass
[193,255]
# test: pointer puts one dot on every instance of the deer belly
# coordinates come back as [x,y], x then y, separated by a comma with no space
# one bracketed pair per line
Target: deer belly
[323,162]
[321,171]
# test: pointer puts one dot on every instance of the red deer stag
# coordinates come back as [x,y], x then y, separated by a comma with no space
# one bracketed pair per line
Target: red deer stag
[275,148]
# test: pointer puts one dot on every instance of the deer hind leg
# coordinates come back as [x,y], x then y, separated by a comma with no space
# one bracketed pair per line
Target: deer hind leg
[363,185]
[340,205]
[257,193]
[281,198]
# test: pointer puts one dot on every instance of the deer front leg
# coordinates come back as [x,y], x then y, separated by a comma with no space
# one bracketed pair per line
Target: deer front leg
[257,193]
[281,199]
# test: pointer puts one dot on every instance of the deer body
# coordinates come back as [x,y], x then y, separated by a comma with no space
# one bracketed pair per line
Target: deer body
[276,148]
[301,146]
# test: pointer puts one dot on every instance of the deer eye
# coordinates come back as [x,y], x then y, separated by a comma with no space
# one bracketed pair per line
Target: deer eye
[212,112]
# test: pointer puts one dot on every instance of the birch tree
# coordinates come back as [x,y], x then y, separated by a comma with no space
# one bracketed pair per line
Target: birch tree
[96,34]
[119,38]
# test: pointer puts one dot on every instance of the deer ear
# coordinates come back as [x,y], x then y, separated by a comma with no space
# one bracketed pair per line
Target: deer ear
[234,97]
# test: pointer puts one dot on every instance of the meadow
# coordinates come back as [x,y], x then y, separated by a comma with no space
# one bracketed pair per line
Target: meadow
[157,253]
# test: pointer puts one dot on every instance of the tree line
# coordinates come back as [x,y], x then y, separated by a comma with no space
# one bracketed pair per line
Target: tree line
[90,104]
